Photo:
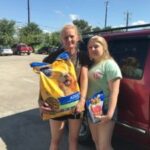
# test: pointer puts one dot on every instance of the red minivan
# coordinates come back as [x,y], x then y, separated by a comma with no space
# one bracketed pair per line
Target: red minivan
[131,50]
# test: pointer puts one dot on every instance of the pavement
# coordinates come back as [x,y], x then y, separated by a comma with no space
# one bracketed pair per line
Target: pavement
[20,122]
[24,131]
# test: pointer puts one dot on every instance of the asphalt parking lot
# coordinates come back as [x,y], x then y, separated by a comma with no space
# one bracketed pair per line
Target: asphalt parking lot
[18,99]
[19,84]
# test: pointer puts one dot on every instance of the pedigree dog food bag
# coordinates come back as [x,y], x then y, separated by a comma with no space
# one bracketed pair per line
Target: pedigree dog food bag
[58,86]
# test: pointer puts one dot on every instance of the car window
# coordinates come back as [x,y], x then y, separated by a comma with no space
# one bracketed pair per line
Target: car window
[130,54]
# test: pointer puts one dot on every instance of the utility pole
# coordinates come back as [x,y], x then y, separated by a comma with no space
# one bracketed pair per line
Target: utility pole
[28,4]
[127,20]
[106,10]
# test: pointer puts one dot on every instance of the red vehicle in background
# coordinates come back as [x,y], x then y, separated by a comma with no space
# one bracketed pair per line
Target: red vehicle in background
[131,50]
[22,48]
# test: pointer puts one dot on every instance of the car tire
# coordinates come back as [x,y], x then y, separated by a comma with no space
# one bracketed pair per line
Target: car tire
[18,53]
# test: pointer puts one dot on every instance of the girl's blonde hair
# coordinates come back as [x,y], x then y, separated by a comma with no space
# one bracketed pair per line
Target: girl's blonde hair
[103,42]
[70,26]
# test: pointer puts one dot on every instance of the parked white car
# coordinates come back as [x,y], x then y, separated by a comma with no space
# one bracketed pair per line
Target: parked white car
[6,51]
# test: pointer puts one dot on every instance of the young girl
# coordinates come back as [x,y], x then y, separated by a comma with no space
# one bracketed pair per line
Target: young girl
[104,75]
[69,38]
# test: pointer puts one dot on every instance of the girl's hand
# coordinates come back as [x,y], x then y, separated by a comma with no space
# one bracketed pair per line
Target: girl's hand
[104,118]
[44,107]
[80,107]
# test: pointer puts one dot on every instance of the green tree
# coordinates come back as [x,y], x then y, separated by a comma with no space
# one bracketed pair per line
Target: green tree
[96,29]
[31,34]
[47,39]
[7,31]
[83,26]
[54,39]
[107,28]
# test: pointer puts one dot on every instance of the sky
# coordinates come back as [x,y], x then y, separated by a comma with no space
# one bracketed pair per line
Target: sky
[52,15]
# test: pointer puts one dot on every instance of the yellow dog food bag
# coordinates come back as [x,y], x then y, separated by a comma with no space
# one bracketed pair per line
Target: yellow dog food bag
[58,86]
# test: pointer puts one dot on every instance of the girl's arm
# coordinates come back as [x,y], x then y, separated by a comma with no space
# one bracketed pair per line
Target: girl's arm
[114,91]
[83,88]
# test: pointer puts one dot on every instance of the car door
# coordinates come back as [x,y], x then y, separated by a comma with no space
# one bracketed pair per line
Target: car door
[133,104]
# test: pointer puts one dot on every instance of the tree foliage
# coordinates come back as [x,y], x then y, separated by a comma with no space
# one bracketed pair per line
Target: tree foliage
[54,39]
[7,31]
[31,34]
[83,26]
[51,39]
[96,29]
[107,28]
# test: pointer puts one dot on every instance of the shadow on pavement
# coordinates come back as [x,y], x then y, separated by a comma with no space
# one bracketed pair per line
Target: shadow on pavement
[25,131]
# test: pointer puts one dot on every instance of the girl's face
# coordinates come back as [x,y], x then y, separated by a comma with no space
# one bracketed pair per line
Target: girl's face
[69,39]
[95,50]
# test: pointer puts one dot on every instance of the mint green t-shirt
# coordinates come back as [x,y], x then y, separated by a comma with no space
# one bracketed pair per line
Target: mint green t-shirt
[99,75]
